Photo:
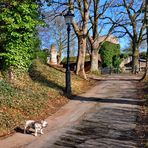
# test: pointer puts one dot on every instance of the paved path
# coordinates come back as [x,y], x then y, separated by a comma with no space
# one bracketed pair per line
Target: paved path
[104,117]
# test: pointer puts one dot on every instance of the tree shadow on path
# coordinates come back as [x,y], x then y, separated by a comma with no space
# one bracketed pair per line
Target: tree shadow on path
[109,100]
[116,79]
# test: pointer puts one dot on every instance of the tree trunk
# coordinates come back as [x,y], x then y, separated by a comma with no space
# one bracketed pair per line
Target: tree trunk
[81,32]
[81,57]
[146,66]
[135,58]
[94,61]
[94,41]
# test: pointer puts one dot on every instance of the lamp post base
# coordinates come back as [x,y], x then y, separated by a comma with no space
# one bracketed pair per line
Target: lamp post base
[68,82]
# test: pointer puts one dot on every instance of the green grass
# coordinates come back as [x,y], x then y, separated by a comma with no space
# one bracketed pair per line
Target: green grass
[34,95]
[74,59]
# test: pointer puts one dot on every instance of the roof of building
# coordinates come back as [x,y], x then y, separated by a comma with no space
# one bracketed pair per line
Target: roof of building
[110,38]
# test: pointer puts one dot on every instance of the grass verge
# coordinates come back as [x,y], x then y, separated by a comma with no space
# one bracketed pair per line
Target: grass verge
[35,95]
[143,115]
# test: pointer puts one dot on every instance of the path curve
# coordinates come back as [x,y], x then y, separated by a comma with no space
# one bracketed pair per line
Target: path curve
[103,117]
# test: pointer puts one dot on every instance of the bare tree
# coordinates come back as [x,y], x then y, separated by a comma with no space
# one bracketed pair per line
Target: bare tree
[55,31]
[81,30]
[131,24]
[98,11]
[80,25]
[146,22]
[58,32]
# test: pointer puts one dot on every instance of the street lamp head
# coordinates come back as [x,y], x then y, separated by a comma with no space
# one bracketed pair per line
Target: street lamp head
[68,17]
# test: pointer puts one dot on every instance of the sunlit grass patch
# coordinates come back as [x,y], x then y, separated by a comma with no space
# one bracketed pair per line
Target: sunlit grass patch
[34,95]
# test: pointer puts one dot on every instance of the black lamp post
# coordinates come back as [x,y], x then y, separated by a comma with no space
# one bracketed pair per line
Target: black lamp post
[68,19]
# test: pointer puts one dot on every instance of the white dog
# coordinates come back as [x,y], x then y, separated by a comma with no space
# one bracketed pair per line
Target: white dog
[38,126]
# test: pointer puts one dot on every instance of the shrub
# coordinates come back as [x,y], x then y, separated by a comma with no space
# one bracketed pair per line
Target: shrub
[42,56]
[19,20]
[108,51]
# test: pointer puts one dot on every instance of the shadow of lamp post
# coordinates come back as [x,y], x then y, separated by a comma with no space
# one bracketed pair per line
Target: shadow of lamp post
[68,20]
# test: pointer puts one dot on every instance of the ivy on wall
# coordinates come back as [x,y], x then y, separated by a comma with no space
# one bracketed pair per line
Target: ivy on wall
[110,53]
[18,38]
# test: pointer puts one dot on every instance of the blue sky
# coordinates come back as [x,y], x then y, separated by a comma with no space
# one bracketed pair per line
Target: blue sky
[46,42]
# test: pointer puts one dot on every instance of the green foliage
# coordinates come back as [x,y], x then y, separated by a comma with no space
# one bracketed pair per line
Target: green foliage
[74,59]
[124,55]
[19,101]
[18,20]
[47,51]
[108,51]
[97,72]
[34,96]
[42,55]
[143,55]
[116,61]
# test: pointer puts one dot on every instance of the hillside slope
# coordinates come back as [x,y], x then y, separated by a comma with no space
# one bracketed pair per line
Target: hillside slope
[35,95]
